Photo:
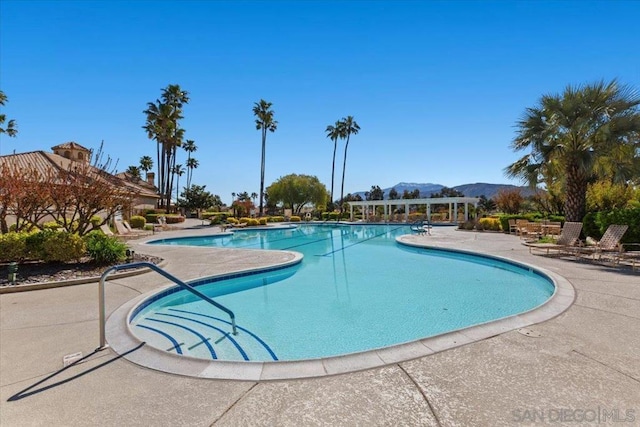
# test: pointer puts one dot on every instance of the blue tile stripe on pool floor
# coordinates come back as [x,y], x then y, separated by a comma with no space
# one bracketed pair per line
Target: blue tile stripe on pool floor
[257,338]
[196,333]
[225,334]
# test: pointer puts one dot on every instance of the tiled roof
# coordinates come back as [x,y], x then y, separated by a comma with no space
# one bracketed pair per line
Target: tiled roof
[44,162]
[70,146]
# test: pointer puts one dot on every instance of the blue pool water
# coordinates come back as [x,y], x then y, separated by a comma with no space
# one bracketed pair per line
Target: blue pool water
[356,289]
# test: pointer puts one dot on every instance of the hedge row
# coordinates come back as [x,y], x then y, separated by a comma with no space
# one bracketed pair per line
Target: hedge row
[171,218]
[59,246]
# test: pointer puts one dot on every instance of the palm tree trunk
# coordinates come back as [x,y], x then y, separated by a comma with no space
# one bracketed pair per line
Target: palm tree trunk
[264,145]
[575,201]
[162,179]
[172,168]
[344,168]
[333,168]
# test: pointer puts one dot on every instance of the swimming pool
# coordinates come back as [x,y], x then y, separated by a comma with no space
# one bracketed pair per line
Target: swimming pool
[357,289]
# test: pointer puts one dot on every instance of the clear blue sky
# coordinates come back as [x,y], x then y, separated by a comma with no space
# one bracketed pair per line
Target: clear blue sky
[436,87]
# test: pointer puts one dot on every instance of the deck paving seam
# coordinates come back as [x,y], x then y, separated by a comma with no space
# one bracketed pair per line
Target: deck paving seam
[74,322]
[234,404]
[608,294]
[607,366]
[604,311]
[422,392]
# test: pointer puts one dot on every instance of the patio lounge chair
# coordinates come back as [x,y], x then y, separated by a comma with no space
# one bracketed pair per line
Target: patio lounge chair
[609,243]
[106,230]
[568,240]
[123,232]
[131,230]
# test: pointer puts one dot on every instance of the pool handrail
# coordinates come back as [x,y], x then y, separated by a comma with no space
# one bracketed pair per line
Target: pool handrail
[101,303]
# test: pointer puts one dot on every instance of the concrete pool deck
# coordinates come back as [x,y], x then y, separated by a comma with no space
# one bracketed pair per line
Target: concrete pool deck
[583,363]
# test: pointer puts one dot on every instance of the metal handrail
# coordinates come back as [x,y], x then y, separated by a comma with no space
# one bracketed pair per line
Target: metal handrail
[103,340]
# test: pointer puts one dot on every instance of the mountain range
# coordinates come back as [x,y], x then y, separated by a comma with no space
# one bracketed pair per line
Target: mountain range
[469,190]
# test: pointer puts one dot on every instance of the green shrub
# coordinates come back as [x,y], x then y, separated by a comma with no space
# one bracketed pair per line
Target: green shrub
[96,221]
[152,217]
[51,225]
[492,224]
[244,220]
[214,216]
[137,221]
[294,218]
[262,221]
[232,220]
[13,246]
[596,223]
[105,249]
[174,219]
[35,244]
[62,247]
[24,226]
[275,219]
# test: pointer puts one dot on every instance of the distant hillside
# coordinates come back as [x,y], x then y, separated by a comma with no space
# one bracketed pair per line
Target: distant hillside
[469,190]
[490,190]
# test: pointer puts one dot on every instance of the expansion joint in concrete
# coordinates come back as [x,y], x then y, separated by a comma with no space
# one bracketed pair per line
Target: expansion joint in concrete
[607,366]
[424,395]
[234,404]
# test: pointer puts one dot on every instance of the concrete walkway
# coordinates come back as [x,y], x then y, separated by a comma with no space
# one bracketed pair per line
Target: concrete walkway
[581,367]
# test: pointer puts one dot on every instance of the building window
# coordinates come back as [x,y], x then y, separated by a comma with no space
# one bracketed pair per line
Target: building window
[67,154]
[80,156]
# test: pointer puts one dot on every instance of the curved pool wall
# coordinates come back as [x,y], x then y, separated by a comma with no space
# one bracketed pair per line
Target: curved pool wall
[264,370]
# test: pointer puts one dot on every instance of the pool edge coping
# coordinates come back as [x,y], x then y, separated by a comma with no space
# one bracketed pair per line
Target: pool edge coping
[122,341]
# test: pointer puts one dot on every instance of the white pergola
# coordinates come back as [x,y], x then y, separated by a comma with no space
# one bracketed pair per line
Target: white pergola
[388,205]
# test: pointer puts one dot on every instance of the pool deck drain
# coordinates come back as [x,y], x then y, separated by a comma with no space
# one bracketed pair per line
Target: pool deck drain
[586,358]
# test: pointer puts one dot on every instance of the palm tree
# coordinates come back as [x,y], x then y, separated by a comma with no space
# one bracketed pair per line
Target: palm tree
[264,122]
[575,136]
[189,146]
[162,125]
[134,172]
[146,164]
[192,164]
[254,196]
[333,133]
[348,126]
[178,170]
[12,128]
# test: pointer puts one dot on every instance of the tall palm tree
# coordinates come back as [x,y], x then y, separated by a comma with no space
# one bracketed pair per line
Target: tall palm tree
[179,171]
[264,122]
[190,147]
[162,125]
[12,128]
[334,132]
[192,164]
[146,164]
[348,126]
[571,136]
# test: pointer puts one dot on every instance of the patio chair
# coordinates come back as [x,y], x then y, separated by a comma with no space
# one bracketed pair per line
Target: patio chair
[531,231]
[521,226]
[609,243]
[513,226]
[106,230]
[568,240]
[131,230]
